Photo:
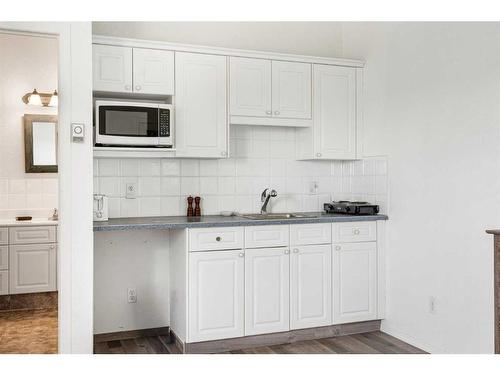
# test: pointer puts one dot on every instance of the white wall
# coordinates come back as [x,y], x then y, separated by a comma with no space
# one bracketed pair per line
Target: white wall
[26,62]
[432,105]
[304,38]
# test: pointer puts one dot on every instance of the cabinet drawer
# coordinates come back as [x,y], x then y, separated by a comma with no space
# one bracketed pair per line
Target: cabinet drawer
[4,282]
[28,235]
[310,234]
[215,239]
[4,236]
[267,236]
[360,231]
[4,257]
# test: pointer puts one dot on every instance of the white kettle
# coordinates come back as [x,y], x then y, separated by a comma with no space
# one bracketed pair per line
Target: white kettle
[100,207]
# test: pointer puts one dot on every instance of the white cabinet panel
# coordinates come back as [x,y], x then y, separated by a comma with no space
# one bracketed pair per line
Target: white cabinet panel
[359,231]
[250,87]
[216,295]
[267,290]
[310,286]
[354,282]
[201,239]
[4,282]
[112,68]
[201,110]
[153,71]
[291,89]
[31,235]
[32,268]
[310,234]
[267,236]
[4,236]
[334,112]
[4,257]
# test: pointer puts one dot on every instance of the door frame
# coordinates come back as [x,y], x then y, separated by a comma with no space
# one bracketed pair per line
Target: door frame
[75,237]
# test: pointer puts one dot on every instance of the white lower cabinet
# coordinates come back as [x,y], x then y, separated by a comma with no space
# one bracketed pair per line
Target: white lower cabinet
[216,295]
[4,282]
[354,282]
[267,286]
[310,286]
[32,268]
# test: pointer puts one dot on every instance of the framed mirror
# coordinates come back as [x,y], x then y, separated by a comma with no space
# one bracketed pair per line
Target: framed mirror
[40,143]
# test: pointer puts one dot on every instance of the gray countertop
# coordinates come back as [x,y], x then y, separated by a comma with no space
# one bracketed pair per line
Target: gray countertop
[181,222]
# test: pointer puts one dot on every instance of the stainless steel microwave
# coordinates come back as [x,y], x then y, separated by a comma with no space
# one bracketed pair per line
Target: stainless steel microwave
[133,124]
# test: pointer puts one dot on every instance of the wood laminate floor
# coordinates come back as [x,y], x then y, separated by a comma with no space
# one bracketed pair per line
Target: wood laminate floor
[28,332]
[363,343]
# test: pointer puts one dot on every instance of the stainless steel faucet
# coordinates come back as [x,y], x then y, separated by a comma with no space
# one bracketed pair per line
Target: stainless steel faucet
[264,198]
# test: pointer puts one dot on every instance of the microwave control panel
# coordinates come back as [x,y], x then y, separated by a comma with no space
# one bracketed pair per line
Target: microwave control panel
[164,122]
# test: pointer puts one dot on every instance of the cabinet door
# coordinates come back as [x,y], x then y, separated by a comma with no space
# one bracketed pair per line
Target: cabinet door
[334,123]
[216,295]
[201,111]
[267,290]
[250,87]
[112,67]
[32,268]
[354,282]
[311,286]
[4,282]
[153,71]
[291,89]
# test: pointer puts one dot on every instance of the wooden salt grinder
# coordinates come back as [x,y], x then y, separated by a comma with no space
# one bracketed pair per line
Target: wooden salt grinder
[190,211]
[197,208]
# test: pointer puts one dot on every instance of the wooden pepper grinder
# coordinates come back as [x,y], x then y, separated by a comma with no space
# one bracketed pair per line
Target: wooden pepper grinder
[197,209]
[190,211]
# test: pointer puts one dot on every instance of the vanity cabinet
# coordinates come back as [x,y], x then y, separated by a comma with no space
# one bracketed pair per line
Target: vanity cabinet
[132,70]
[201,105]
[28,259]
[269,92]
[216,295]
[336,115]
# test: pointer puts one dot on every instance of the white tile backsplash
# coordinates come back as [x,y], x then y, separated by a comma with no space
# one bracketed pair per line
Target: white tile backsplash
[263,157]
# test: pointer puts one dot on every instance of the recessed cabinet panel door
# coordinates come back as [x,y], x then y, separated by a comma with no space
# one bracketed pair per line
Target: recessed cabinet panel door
[354,282]
[334,112]
[153,71]
[267,288]
[310,286]
[291,89]
[250,87]
[112,68]
[216,296]
[32,268]
[200,105]
[4,282]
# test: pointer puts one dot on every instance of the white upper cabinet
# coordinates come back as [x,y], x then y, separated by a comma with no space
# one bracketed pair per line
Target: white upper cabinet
[265,92]
[250,81]
[200,105]
[291,89]
[137,70]
[112,68]
[153,71]
[354,282]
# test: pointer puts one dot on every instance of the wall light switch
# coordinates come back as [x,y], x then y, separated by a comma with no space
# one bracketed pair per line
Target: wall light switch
[313,187]
[131,190]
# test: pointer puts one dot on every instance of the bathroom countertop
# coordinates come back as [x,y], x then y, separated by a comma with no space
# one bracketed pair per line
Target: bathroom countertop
[27,223]
[181,222]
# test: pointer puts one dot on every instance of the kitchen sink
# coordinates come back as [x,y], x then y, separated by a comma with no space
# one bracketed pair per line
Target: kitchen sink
[277,216]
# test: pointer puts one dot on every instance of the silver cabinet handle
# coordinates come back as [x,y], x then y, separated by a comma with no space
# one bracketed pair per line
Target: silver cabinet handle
[51,247]
[218,239]
[338,248]
[269,112]
[127,87]
[287,251]
[295,251]
[276,113]
[356,231]
[318,154]
[138,88]
[241,255]
[223,153]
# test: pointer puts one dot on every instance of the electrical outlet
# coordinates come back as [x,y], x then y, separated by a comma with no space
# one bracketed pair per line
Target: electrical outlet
[313,187]
[432,305]
[131,295]
[131,190]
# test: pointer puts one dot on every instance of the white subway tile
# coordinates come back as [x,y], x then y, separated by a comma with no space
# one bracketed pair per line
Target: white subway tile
[149,186]
[228,203]
[109,186]
[294,185]
[226,186]
[114,207]
[190,186]
[109,167]
[380,185]
[190,167]
[210,205]
[170,206]
[227,167]
[277,204]
[34,186]
[260,149]
[277,167]
[4,202]
[170,186]
[209,167]
[96,185]
[278,184]
[34,201]
[357,167]
[149,167]
[310,203]
[260,132]
[50,200]
[17,201]
[381,167]
[243,148]
[259,184]
[95,167]
[129,207]
[4,186]
[50,186]
[243,185]
[130,167]
[170,167]
[337,168]
[244,204]
[369,167]
[149,206]
[208,185]
[17,186]
[294,203]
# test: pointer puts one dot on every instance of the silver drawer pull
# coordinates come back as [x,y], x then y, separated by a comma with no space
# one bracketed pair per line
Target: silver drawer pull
[356,231]
[287,251]
[295,251]
[338,248]
[218,239]
[241,255]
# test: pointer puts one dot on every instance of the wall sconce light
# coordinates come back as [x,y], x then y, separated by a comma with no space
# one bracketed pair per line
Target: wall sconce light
[41,98]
